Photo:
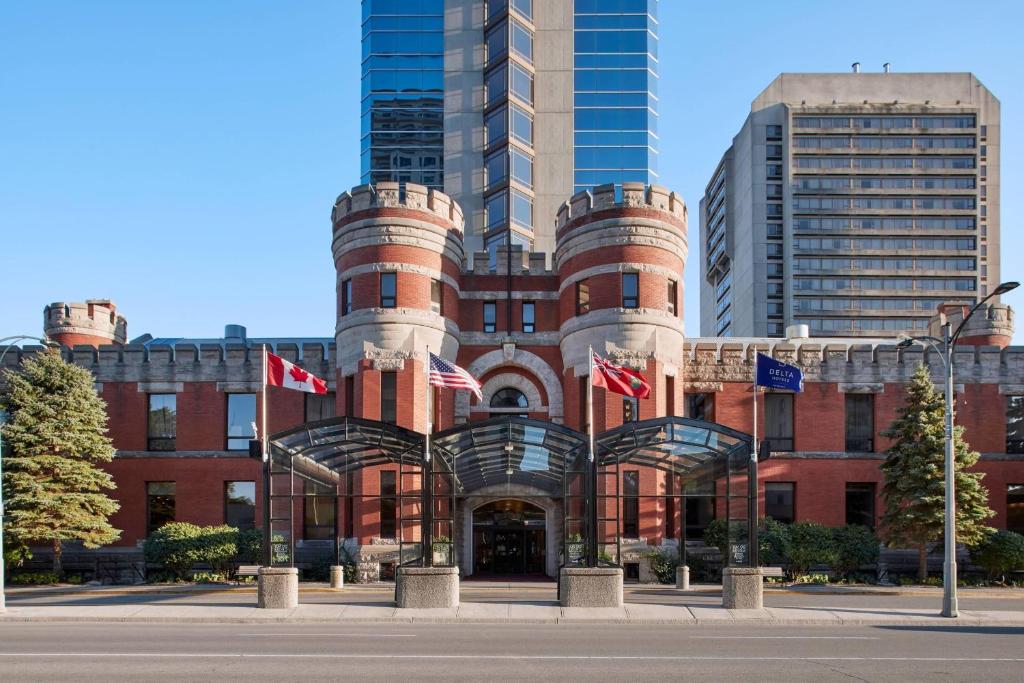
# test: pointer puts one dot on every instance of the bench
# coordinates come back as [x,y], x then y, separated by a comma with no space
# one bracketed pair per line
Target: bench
[772,571]
[247,570]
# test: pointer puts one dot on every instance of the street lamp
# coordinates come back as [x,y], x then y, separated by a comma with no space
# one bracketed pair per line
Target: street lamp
[945,347]
[9,345]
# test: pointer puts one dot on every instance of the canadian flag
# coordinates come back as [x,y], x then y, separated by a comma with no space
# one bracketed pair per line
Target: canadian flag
[281,373]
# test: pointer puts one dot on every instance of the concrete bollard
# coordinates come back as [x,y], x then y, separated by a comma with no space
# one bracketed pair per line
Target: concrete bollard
[337,577]
[683,577]
[423,587]
[590,587]
[742,588]
[277,588]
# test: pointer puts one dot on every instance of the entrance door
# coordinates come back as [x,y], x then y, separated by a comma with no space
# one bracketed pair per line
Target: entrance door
[508,538]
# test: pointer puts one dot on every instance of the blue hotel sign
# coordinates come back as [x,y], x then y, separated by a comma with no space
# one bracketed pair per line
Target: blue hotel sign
[778,375]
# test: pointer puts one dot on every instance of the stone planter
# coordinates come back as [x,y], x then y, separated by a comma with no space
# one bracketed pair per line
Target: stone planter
[277,588]
[423,587]
[590,587]
[742,588]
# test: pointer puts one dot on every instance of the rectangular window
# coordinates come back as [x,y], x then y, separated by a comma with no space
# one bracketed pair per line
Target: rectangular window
[388,504]
[631,503]
[582,297]
[860,503]
[522,84]
[1015,508]
[350,396]
[780,500]
[319,406]
[389,397]
[388,290]
[700,407]
[436,297]
[521,125]
[778,421]
[1015,424]
[346,297]
[241,421]
[350,506]
[490,316]
[630,409]
[529,317]
[522,41]
[319,511]
[670,517]
[582,385]
[673,297]
[496,206]
[522,168]
[630,290]
[240,504]
[670,395]
[699,511]
[159,504]
[496,168]
[162,422]
[860,423]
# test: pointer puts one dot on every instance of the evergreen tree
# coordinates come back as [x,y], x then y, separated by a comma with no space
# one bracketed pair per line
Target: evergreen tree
[914,488]
[54,438]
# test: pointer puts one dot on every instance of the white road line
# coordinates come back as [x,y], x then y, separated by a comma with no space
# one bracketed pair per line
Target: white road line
[681,658]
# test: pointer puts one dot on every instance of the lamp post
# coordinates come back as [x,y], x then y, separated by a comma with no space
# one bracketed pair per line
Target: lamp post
[8,341]
[945,348]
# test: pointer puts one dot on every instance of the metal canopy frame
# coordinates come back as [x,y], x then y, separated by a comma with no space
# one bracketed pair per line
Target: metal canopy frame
[512,451]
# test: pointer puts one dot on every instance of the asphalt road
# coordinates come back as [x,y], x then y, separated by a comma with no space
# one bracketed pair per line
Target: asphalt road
[98,652]
[989,600]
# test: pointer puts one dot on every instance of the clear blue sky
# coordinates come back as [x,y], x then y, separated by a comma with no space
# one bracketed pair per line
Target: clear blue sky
[181,158]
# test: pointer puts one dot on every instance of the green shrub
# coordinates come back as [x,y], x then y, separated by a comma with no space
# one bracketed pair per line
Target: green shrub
[999,553]
[817,579]
[179,546]
[35,579]
[209,577]
[855,546]
[664,566]
[810,544]
[250,546]
[772,538]
[75,579]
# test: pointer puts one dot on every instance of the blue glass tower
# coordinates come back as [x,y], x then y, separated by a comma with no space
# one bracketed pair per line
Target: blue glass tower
[615,92]
[403,92]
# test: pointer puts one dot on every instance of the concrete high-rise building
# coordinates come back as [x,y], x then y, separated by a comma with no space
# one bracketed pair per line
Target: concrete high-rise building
[510,106]
[854,203]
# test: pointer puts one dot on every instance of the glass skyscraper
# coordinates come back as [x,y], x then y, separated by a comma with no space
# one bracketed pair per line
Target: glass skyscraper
[403,91]
[474,97]
[615,92]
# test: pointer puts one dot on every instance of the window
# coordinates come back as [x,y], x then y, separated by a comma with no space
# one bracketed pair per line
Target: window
[670,517]
[510,397]
[860,503]
[241,421]
[522,41]
[389,397]
[346,297]
[529,317]
[388,290]
[319,512]
[631,503]
[670,395]
[522,168]
[779,500]
[162,422]
[240,504]
[698,513]
[436,297]
[860,423]
[490,316]
[159,504]
[778,421]
[388,504]
[319,406]
[522,84]
[630,409]
[1015,508]
[497,208]
[522,125]
[630,290]
[496,167]
[1015,424]
[673,297]
[582,297]
[773,131]
[522,214]
[700,407]
[350,396]
[350,507]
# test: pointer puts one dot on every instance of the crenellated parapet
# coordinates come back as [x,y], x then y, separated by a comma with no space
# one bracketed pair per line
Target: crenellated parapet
[236,366]
[93,322]
[390,195]
[714,361]
[991,324]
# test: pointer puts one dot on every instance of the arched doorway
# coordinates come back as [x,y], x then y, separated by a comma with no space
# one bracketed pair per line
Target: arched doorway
[509,538]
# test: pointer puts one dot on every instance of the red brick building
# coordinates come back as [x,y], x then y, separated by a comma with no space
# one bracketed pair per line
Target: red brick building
[181,410]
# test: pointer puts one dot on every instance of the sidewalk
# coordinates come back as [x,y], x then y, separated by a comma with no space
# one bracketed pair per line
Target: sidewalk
[535,612]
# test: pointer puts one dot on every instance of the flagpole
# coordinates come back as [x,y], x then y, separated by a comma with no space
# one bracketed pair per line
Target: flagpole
[753,444]
[591,544]
[268,553]
[428,511]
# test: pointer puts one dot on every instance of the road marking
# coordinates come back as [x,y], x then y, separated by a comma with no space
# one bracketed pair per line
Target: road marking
[338,655]
[346,635]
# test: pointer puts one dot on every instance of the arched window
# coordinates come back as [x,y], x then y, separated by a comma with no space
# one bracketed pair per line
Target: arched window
[509,398]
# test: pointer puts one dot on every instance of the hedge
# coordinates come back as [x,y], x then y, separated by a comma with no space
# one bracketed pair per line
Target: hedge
[999,553]
[179,546]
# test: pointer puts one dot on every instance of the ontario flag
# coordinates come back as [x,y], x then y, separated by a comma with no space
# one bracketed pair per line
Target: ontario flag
[619,380]
[281,373]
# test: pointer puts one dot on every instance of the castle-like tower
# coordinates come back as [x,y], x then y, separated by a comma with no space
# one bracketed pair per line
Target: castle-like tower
[92,323]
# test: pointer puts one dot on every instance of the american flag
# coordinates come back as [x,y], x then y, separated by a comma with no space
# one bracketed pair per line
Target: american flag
[446,374]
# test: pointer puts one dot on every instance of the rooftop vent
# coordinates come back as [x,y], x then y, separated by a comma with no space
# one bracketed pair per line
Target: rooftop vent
[855,67]
[798,332]
[234,332]
[887,67]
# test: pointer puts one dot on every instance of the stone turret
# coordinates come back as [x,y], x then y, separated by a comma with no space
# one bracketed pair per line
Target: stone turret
[991,325]
[620,264]
[398,255]
[93,323]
